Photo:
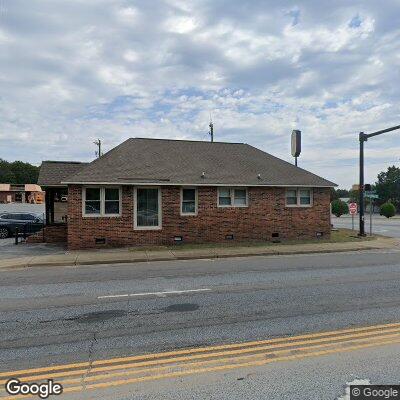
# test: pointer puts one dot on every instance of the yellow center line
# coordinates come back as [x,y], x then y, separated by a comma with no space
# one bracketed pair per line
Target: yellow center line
[222,360]
[104,385]
[338,340]
[197,350]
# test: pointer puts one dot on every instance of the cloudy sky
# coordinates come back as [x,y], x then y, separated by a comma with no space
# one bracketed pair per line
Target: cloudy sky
[73,71]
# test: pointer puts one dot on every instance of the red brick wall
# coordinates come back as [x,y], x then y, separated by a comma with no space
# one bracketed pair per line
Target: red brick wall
[50,234]
[265,214]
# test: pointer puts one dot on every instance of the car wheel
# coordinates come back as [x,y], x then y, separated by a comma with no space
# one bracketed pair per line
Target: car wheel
[4,233]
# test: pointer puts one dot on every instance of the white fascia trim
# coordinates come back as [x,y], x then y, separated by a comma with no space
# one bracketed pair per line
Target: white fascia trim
[194,184]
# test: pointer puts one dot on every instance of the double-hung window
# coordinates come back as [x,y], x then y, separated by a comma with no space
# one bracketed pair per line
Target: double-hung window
[299,197]
[111,201]
[189,201]
[101,201]
[147,208]
[232,197]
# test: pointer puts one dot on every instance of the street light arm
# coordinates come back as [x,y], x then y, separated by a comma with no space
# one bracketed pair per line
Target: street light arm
[393,128]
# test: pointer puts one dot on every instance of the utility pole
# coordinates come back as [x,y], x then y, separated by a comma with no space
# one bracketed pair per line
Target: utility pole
[98,144]
[211,125]
[361,185]
[363,137]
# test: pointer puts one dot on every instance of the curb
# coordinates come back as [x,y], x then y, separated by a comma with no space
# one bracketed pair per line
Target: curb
[132,260]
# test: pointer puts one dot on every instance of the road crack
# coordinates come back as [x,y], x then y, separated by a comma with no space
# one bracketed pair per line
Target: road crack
[90,360]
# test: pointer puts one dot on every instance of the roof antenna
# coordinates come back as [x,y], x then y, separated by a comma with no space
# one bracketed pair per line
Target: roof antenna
[211,133]
[98,144]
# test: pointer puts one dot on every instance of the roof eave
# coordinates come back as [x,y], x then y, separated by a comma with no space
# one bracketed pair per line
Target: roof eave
[133,183]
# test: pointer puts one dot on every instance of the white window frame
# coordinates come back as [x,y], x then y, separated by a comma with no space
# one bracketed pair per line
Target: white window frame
[297,189]
[102,201]
[147,228]
[232,194]
[196,200]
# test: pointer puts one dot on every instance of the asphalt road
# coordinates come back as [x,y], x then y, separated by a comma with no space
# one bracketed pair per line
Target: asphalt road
[68,314]
[380,225]
[319,378]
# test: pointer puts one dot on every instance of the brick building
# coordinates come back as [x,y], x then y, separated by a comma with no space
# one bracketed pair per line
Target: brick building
[28,193]
[154,191]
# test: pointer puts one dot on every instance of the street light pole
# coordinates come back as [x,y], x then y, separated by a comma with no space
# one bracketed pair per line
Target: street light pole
[361,184]
[363,137]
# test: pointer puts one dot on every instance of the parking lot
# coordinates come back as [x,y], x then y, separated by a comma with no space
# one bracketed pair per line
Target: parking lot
[8,249]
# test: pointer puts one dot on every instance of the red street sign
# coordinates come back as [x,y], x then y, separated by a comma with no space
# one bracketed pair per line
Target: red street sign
[353,208]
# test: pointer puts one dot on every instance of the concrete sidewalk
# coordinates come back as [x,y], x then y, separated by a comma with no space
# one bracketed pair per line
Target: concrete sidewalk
[126,255]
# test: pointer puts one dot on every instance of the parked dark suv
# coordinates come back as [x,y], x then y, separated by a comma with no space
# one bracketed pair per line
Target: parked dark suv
[25,222]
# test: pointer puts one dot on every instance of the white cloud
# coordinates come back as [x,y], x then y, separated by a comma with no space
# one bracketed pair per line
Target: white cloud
[70,72]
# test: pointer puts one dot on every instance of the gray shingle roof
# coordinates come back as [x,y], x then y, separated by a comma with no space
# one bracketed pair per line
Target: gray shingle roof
[54,172]
[163,161]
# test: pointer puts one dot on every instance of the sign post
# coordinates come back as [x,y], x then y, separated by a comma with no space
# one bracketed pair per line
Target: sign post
[353,212]
[371,195]
[370,216]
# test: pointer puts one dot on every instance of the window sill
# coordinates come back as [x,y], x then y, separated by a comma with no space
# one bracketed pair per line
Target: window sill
[232,206]
[298,206]
[147,228]
[101,215]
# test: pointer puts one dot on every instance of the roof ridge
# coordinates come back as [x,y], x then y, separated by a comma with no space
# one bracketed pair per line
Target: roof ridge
[65,162]
[184,140]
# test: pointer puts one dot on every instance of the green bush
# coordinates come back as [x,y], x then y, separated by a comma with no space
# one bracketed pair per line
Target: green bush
[388,210]
[339,208]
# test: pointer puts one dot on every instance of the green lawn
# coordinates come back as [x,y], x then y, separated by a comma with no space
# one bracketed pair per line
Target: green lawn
[337,236]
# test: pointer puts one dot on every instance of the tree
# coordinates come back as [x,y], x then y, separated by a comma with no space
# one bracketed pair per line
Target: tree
[339,208]
[338,193]
[343,193]
[18,172]
[354,196]
[388,186]
[388,210]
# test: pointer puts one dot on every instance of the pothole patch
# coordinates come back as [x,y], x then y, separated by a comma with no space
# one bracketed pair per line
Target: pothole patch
[99,316]
[184,307]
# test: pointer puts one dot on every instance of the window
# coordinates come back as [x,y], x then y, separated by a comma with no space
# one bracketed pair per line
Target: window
[28,217]
[101,201]
[232,197]
[147,208]
[305,197]
[111,201]
[291,197]
[224,197]
[299,197]
[8,216]
[93,201]
[189,201]
[240,197]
